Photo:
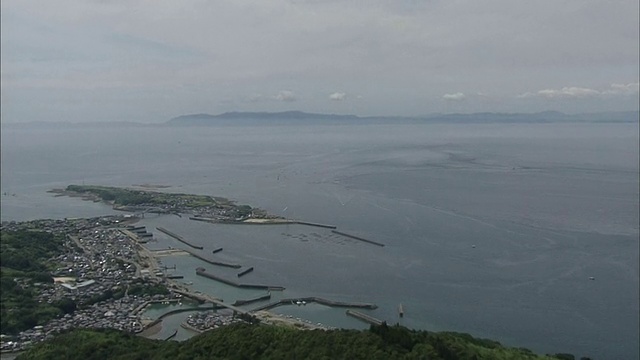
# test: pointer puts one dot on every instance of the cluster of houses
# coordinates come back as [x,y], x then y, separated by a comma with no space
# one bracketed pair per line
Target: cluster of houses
[95,271]
[207,320]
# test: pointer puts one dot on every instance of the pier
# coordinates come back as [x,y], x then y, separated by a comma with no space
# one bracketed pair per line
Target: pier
[179,238]
[202,272]
[357,238]
[317,300]
[400,310]
[364,317]
[245,272]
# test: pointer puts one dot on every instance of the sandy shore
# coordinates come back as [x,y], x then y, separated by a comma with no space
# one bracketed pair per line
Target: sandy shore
[151,330]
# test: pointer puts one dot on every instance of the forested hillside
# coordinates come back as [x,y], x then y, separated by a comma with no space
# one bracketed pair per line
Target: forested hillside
[243,341]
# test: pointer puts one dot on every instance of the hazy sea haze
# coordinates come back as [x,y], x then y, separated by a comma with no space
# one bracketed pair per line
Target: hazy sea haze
[491,229]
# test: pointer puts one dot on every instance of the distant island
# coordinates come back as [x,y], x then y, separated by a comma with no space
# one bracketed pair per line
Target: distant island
[481,117]
[200,207]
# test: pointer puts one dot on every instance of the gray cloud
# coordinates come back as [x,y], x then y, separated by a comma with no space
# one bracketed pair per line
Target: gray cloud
[400,56]
[623,89]
[565,92]
[581,92]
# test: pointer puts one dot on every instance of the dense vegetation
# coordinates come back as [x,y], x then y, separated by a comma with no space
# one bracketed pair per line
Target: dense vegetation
[243,341]
[24,267]
[121,196]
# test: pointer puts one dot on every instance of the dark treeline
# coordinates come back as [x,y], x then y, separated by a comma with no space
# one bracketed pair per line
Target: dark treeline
[24,264]
[244,341]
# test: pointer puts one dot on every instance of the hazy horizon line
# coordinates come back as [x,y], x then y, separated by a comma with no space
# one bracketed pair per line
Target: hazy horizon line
[426,116]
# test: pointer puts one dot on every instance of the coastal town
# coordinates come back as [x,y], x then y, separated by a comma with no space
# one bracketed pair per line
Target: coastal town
[104,276]
[101,272]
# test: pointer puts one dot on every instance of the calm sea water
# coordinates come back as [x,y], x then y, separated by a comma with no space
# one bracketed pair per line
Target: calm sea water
[489,229]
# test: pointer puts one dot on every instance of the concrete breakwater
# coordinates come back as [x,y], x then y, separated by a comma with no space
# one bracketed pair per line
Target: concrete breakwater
[326,302]
[217,263]
[202,272]
[357,238]
[175,332]
[316,224]
[245,272]
[198,218]
[216,250]
[364,317]
[250,301]
[179,238]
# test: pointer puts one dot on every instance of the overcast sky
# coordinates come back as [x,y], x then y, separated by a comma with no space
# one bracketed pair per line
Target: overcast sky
[148,61]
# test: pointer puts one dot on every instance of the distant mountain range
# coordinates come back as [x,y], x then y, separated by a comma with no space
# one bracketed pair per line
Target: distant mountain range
[299,117]
[483,117]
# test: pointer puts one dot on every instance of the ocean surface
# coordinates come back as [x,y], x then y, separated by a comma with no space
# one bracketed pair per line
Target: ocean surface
[490,229]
